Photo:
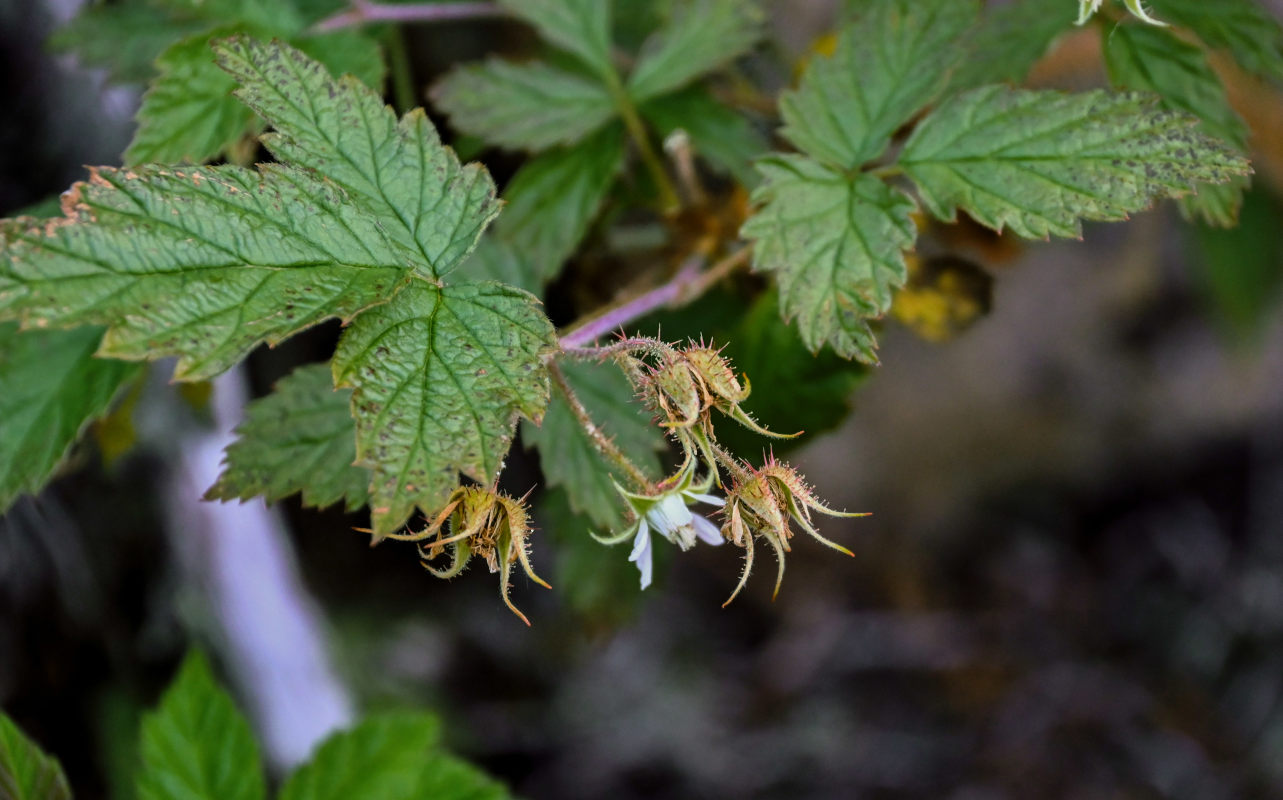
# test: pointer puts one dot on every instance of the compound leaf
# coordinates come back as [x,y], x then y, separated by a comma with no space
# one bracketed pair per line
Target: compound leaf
[530,106]
[54,386]
[27,772]
[1145,58]
[554,197]
[702,35]
[299,438]
[836,244]
[203,263]
[581,27]
[439,376]
[568,457]
[1040,162]
[398,172]
[196,745]
[382,758]
[496,259]
[887,65]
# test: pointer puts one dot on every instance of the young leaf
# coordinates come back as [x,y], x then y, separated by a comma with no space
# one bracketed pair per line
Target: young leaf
[53,388]
[569,459]
[553,199]
[836,244]
[1145,58]
[26,772]
[719,134]
[382,758]
[581,27]
[530,106]
[703,35]
[300,438]
[188,113]
[1010,39]
[887,65]
[397,172]
[196,745]
[1244,28]
[202,263]
[439,376]
[1040,162]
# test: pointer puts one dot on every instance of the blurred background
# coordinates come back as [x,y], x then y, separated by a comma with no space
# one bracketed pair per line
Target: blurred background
[1071,585]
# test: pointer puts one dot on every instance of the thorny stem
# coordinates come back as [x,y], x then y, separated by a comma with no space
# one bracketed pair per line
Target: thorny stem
[601,441]
[689,283]
[729,461]
[363,12]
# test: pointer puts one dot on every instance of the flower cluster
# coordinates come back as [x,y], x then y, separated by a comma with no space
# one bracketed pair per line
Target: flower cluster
[686,384]
[1086,8]
[485,523]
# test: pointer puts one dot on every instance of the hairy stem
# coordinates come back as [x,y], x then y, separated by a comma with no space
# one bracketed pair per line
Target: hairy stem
[608,449]
[363,12]
[689,283]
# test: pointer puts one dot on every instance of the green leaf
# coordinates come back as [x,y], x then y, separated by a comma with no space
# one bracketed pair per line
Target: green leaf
[274,17]
[702,36]
[599,583]
[397,172]
[498,260]
[568,457]
[202,263]
[123,38]
[581,27]
[299,438]
[1010,39]
[196,745]
[188,113]
[445,777]
[1040,162]
[1244,28]
[836,245]
[887,65]
[439,377]
[719,134]
[382,758]
[554,198]
[54,387]
[530,106]
[26,772]
[1145,58]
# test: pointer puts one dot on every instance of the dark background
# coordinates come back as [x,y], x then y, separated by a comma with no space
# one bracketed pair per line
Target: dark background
[1072,584]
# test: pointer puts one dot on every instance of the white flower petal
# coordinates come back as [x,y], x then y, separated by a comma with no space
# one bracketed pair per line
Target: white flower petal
[641,541]
[707,531]
[711,499]
[644,557]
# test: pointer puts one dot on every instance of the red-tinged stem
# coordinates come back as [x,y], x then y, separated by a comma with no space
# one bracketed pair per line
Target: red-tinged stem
[690,282]
[363,12]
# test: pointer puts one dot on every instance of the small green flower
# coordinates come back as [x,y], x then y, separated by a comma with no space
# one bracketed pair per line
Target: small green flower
[1086,8]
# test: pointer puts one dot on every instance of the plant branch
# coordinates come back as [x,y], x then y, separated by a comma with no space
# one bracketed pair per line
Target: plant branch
[607,447]
[363,12]
[668,199]
[689,283]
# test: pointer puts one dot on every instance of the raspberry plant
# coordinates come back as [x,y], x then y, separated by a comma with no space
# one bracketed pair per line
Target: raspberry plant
[905,120]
